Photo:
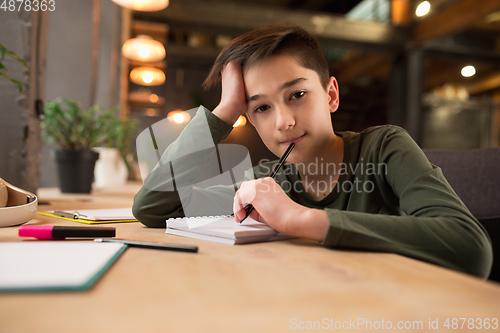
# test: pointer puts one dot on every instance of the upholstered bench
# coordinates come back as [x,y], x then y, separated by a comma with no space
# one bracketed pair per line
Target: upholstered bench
[474,174]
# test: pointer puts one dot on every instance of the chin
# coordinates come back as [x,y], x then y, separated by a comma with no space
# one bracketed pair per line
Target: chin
[296,157]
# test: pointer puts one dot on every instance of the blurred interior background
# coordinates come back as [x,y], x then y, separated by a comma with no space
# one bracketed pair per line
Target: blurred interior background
[435,72]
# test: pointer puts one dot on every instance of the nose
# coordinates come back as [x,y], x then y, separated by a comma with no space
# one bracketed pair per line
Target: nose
[284,118]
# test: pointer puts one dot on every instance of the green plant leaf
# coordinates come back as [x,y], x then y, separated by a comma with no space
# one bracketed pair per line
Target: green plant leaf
[19,84]
[15,56]
[3,52]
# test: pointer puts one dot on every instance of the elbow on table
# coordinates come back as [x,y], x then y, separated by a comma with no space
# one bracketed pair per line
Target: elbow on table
[144,214]
[484,256]
[477,259]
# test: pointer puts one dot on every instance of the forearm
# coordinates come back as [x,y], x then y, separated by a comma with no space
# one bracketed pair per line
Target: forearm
[169,185]
[455,242]
[170,190]
[450,241]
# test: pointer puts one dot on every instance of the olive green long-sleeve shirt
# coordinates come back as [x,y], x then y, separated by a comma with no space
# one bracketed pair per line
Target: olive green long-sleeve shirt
[388,198]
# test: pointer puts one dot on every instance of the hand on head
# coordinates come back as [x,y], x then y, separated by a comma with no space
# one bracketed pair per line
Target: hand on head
[233,101]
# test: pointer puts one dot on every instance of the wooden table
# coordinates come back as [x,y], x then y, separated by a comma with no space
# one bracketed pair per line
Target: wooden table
[265,287]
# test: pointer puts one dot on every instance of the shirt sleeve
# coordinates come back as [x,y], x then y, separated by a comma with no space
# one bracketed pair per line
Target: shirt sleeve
[181,164]
[435,225]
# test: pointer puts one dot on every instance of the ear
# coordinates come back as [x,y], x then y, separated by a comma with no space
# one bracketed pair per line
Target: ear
[332,88]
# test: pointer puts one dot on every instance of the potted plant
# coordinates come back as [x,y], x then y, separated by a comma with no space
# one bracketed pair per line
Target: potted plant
[76,132]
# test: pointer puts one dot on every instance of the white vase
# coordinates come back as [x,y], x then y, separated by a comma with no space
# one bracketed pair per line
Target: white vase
[110,169]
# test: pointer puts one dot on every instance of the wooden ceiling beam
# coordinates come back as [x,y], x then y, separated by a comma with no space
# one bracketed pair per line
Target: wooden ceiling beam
[232,17]
[489,83]
[472,46]
[456,18]
[439,72]
[361,65]
[184,54]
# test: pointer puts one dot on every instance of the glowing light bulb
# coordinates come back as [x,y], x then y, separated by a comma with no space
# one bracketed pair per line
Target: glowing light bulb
[153,98]
[179,118]
[468,71]
[423,9]
[144,51]
[147,77]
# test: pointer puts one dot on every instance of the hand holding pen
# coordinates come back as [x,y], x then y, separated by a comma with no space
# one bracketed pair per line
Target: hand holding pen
[277,167]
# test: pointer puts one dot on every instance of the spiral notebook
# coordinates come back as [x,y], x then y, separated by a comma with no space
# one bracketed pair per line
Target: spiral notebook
[223,229]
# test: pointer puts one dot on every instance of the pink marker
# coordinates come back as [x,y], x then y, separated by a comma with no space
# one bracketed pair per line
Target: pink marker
[46,232]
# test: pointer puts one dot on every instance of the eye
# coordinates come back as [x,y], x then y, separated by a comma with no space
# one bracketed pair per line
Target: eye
[298,95]
[261,108]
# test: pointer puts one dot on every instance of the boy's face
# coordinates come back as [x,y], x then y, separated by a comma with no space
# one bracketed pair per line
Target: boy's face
[287,103]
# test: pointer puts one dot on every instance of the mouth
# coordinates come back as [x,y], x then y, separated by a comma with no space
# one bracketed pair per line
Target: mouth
[294,140]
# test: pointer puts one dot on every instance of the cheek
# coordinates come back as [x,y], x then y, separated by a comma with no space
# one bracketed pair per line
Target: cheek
[320,117]
[264,130]
[263,125]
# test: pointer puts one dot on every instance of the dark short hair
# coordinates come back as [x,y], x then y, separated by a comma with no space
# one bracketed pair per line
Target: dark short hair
[290,40]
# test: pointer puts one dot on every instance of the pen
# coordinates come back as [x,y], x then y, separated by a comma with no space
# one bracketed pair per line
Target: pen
[277,167]
[158,246]
[74,215]
[66,214]
[44,232]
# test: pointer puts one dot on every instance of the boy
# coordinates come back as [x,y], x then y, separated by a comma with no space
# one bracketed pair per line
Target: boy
[372,191]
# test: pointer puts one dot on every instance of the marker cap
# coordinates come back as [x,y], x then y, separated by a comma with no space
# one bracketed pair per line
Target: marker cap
[42,232]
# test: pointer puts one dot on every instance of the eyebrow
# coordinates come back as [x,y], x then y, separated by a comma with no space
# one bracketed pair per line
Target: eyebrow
[285,85]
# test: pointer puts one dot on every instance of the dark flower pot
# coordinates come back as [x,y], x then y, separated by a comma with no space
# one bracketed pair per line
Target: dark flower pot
[76,170]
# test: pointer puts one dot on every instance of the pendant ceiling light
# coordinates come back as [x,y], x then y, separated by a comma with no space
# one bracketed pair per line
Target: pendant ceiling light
[147,76]
[143,5]
[143,48]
